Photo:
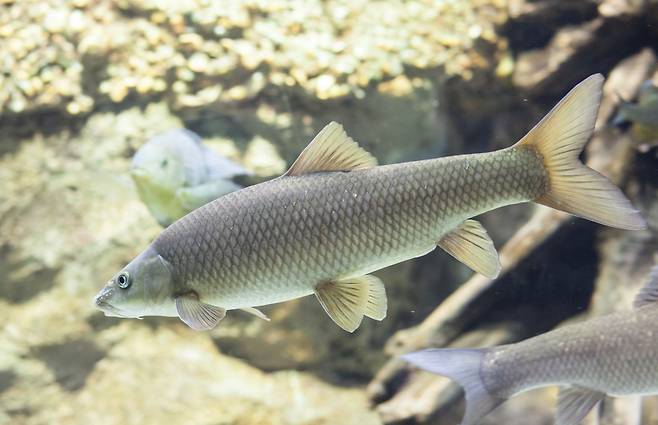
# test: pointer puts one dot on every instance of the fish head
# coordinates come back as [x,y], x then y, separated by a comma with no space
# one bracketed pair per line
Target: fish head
[160,162]
[143,288]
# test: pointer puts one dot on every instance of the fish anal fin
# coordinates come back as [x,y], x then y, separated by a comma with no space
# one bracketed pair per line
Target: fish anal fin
[574,403]
[331,150]
[346,301]
[649,292]
[256,312]
[377,303]
[470,244]
[196,314]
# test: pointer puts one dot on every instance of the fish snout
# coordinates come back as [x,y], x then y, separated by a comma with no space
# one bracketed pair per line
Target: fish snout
[101,301]
[139,173]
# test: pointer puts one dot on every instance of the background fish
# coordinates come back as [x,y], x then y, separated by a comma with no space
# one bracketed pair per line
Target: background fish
[615,354]
[335,217]
[642,115]
[175,174]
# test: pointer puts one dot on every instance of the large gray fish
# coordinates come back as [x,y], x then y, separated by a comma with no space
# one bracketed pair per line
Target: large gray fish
[335,217]
[175,173]
[614,355]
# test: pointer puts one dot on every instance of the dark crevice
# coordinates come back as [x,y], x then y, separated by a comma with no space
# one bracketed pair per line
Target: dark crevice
[28,285]
[70,375]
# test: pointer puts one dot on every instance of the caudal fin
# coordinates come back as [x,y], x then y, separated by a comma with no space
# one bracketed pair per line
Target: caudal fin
[463,366]
[575,188]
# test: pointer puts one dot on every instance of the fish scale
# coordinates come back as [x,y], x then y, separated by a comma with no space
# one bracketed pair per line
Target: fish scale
[286,236]
[593,354]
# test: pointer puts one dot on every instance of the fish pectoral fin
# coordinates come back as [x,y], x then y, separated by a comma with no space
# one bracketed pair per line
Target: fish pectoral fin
[331,150]
[574,403]
[347,301]
[194,197]
[470,244]
[196,314]
[256,312]
[649,292]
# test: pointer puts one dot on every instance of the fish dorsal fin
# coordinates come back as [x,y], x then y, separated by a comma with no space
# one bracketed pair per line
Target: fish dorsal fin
[470,244]
[196,314]
[347,301]
[256,312]
[331,150]
[649,292]
[574,403]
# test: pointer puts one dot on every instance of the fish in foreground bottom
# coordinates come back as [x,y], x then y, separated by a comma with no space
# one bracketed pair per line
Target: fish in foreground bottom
[335,217]
[615,355]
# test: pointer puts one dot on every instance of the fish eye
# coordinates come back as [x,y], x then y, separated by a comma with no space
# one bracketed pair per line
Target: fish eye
[123,280]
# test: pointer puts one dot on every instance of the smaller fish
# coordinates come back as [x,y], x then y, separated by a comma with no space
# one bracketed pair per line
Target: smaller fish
[642,116]
[613,355]
[175,174]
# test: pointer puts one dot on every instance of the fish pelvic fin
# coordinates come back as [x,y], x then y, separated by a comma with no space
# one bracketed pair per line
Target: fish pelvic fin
[463,366]
[573,187]
[347,301]
[574,403]
[470,244]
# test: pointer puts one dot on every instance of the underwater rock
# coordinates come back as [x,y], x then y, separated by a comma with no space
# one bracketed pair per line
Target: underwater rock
[89,54]
[625,81]
[177,376]
[412,117]
[531,24]
[615,32]
[70,375]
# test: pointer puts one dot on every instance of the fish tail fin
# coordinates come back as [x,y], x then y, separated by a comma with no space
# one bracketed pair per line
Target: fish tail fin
[573,187]
[463,366]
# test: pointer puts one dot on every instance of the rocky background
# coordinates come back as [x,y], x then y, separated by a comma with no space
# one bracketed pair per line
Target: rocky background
[84,83]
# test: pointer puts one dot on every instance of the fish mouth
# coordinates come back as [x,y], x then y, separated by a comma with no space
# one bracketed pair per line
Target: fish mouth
[140,173]
[110,311]
[101,303]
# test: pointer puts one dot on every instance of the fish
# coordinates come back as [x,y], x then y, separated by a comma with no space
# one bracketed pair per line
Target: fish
[335,217]
[175,173]
[642,116]
[615,355]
